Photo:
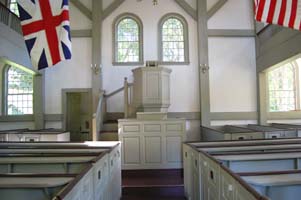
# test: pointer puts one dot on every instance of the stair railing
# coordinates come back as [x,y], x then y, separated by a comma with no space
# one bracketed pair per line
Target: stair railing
[9,18]
[128,94]
[98,117]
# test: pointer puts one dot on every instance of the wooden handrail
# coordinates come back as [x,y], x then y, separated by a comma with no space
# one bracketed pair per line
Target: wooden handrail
[116,91]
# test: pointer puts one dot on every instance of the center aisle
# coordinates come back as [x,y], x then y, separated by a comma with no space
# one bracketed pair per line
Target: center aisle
[152,185]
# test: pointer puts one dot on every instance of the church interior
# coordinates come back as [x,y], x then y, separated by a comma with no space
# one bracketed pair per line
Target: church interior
[150,99]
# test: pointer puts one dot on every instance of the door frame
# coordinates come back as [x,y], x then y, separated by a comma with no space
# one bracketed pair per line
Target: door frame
[64,105]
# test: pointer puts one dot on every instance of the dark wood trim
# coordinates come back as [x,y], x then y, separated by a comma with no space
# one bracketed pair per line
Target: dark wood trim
[233,153]
[269,173]
[295,140]
[63,193]
[32,175]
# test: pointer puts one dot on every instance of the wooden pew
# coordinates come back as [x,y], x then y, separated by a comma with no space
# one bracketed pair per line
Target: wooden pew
[251,162]
[281,185]
[104,177]
[205,175]
[33,186]
[47,163]
[229,133]
[26,135]
[295,127]
[273,132]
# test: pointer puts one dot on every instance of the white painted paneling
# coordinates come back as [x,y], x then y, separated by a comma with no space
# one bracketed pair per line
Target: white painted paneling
[75,73]
[235,14]
[184,79]
[193,130]
[1,81]
[153,149]
[56,125]
[78,20]
[16,125]
[232,64]
[12,46]
[131,150]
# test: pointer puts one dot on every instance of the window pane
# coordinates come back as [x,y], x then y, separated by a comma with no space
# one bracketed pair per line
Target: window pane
[20,92]
[127,41]
[173,41]
[282,92]
[14,7]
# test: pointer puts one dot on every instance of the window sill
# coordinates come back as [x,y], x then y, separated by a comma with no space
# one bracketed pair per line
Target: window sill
[174,63]
[284,115]
[16,118]
[128,63]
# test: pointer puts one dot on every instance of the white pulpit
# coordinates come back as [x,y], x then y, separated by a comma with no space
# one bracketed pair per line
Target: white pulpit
[151,89]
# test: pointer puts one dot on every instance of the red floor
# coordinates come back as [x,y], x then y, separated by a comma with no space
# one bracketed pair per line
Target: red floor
[152,185]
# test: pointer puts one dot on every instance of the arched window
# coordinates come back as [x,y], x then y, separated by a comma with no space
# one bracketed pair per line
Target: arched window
[173,39]
[128,37]
[18,91]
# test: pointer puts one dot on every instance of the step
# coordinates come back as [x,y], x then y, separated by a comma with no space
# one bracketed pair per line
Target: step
[159,177]
[153,192]
[110,126]
[108,136]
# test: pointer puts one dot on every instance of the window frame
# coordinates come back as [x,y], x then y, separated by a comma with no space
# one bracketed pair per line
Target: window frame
[116,22]
[186,39]
[5,92]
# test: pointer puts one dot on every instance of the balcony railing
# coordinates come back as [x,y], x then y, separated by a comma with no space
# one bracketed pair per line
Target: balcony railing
[9,18]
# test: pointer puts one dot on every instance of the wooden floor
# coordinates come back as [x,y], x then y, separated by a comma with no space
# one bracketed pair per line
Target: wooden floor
[152,185]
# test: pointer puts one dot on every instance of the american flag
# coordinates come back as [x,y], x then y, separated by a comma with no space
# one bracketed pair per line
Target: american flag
[282,12]
[46,30]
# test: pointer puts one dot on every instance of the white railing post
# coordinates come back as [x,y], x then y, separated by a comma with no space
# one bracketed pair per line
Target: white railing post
[126,98]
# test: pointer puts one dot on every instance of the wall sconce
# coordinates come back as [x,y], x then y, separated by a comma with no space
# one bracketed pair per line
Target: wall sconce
[96,68]
[204,68]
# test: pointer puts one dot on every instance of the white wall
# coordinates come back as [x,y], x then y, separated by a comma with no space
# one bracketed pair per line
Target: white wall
[232,74]
[12,46]
[184,79]
[232,62]
[74,73]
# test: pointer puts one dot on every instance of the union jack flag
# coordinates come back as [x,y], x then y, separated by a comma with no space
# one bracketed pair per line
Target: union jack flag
[46,30]
[281,12]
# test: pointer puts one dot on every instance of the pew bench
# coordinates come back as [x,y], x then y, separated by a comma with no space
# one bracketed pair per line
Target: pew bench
[26,135]
[33,186]
[277,185]
[211,168]
[97,165]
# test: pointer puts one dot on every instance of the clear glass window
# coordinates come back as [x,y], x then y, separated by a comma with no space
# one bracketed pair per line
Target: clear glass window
[282,88]
[173,41]
[13,6]
[19,92]
[127,41]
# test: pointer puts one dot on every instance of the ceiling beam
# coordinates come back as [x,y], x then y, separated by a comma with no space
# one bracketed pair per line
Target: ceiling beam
[112,7]
[86,11]
[216,7]
[231,33]
[188,9]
